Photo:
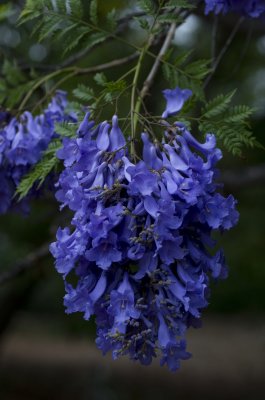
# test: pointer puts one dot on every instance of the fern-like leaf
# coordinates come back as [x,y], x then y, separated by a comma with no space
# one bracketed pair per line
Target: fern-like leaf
[218,105]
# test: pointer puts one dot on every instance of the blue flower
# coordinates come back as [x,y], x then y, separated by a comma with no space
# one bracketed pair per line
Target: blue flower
[122,305]
[104,253]
[140,235]
[251,8]
[175,99]
[22,143]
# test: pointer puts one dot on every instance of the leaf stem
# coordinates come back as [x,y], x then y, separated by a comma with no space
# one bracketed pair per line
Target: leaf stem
[153,71]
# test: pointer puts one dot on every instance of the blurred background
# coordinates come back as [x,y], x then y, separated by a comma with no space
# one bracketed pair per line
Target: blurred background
[45,354]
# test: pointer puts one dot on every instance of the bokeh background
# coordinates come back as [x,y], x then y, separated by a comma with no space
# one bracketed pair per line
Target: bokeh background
[45,354]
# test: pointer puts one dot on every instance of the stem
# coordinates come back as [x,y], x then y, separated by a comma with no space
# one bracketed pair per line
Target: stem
[73,71]
[154,69]
[224,50]
[40,82]
[134,85]
[214,37]
[28,262]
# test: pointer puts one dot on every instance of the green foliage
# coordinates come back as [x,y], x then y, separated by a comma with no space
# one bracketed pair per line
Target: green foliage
[229,123]
[37,175]
[111,22]
[185,4]
[48,163]
[180,72]
[84,93]
[15,84]
[111,90]
[64,22]
[100,79]
[148,6]
[218,105]
[6,10]
[94,11]
[170,17]
[143,23]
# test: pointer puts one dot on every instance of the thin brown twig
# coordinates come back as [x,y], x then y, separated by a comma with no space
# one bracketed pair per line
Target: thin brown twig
[27,263]
[80,71]
[149,80]
[224,50]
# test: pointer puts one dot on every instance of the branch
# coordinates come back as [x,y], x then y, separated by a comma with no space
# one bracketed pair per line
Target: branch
[24,265]
[224,50]
[110,64]
[149,80]
[73,72]
[122,24]
[214,37]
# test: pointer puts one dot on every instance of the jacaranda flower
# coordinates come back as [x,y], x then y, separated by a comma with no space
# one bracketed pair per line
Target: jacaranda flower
[22,143]
[140,238]
[251,8]
[175,99]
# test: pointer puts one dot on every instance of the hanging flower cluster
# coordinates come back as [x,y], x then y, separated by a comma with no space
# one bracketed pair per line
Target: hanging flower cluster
[22,142]
[140,249]
[251,8]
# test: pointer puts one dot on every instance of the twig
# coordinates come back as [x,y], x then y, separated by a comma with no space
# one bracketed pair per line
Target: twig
[214,37]
[24,265]
[243,52]
[149,80]
[224,50]
[122,23]
[79,71]
[110,64]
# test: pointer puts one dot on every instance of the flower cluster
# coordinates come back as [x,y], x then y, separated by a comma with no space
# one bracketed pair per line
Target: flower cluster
[140,249]
[251,8]
[22,142]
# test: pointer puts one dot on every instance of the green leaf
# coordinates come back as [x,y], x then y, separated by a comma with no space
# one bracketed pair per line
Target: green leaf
[74,42]
[100,79]
[218,105]
[182,58]
[171,74]
[148,6]
[111,21]
[16,94]
[143,22]
[37,175]
[12,73]
[179,4]
[198,69]
[84,93]
[169,18]
[94,11]
[66,129]
[238,114]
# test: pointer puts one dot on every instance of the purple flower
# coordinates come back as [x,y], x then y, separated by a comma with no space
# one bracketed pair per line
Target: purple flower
[175,99]
[105,252]
[122,306]
[251,8]
[23,141]
[140,235]
[173,353]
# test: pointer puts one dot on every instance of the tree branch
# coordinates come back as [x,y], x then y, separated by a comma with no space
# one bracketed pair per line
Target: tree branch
[122,24]
[224,50]
[149,80]
[27,263]
[110,64]
[73,71]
